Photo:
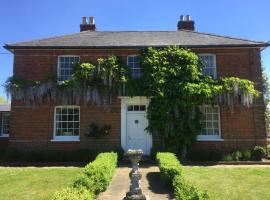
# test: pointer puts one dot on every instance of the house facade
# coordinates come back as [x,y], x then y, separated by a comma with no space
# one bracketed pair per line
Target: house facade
[59,126]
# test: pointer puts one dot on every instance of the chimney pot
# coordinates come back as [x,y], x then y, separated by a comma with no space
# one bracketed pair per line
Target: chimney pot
[88,26]
[84,20]
[182,18]
[187,24]
[91,20]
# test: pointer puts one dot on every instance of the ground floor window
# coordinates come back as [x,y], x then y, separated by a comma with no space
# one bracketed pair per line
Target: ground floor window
[210,123]
[67,123]
[4,124]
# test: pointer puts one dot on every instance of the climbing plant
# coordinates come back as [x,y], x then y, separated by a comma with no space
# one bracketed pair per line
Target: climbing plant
[172,78]
[89,84]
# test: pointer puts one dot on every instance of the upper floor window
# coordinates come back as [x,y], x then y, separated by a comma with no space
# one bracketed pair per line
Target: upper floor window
[210,123]
[67,123]
[65,65]
[133,62]
[209,61]
[4,124]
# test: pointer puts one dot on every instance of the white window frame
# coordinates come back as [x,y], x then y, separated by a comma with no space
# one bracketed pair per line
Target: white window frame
[214,61]
[201,137]
[66,138]
[2,123]
[134,68]
[58,65]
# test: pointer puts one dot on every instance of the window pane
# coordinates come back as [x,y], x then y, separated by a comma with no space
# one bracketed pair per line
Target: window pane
[67,120]
[210,122]
[209,68]
[65,67]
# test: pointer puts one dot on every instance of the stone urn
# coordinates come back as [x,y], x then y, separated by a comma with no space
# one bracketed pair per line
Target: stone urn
[135,191]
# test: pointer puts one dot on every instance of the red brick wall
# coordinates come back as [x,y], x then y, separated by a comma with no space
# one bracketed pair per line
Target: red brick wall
[32,126]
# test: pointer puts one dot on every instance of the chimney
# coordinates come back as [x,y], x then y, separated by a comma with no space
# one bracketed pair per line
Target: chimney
[187,24]
[88,25]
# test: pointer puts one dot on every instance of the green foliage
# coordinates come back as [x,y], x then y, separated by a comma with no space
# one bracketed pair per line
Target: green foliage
[237,155]
[259,153]
[246,155]
[98,174]
[169,166]
[183,190]
[227,157]
[73,194]
[171,173]
[173,79]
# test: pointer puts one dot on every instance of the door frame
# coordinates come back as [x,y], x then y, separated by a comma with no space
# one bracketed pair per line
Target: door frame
[125,101]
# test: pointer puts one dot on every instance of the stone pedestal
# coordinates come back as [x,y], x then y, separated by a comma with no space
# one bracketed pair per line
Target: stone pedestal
[135,191]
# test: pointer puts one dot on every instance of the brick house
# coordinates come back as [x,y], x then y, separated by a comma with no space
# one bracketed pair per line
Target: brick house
[54,126]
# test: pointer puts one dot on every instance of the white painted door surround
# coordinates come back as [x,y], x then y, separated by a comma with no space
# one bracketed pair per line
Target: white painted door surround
[133,124]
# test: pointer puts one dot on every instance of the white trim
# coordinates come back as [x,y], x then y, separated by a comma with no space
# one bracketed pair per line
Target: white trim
[5,107]
[133,55]
[212,137]
[214,61]
[58,63]
[125,101]
[65,138]
[2,134]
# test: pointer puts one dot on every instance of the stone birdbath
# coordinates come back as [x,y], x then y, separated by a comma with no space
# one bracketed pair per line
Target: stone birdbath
[135,191]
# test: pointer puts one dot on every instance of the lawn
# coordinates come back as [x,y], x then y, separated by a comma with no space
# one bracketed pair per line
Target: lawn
[231,183]
[34,183]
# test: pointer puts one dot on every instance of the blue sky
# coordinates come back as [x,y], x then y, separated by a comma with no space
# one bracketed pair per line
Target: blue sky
[22,20]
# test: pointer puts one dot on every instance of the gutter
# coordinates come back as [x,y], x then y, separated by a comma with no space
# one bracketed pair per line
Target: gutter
[262,46]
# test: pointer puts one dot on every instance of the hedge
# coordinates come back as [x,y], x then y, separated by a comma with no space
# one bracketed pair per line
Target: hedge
[96,177]
[98,174]
[170,169]
[73,194]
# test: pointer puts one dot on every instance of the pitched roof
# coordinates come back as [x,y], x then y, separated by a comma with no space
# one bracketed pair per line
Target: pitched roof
[131,39]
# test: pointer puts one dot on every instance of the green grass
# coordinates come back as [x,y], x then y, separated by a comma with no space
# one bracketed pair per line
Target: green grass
[231,183]
[34,183]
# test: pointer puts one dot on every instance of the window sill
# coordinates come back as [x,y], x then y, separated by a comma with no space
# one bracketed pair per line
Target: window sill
[66,140]
[210,139]
[4,136]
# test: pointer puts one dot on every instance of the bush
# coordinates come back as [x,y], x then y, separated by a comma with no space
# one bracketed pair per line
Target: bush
[204,155]
[258,152]
[227,157]
[185,191]
[73,194]
[246,155]
[169,166]
[237,155]
[170,169]
[98,174]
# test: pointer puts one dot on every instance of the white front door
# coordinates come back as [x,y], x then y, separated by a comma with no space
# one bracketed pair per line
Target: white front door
[134,122]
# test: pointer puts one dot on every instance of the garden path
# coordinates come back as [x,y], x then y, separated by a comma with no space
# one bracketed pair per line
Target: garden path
[150,182]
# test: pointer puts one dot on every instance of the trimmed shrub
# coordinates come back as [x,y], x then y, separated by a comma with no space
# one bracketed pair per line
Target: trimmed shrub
[237,155]
[73,194]
[170,170]
[258,153]
[98,174]
[246,155]
[169,166]
[183,190]
[227,157]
